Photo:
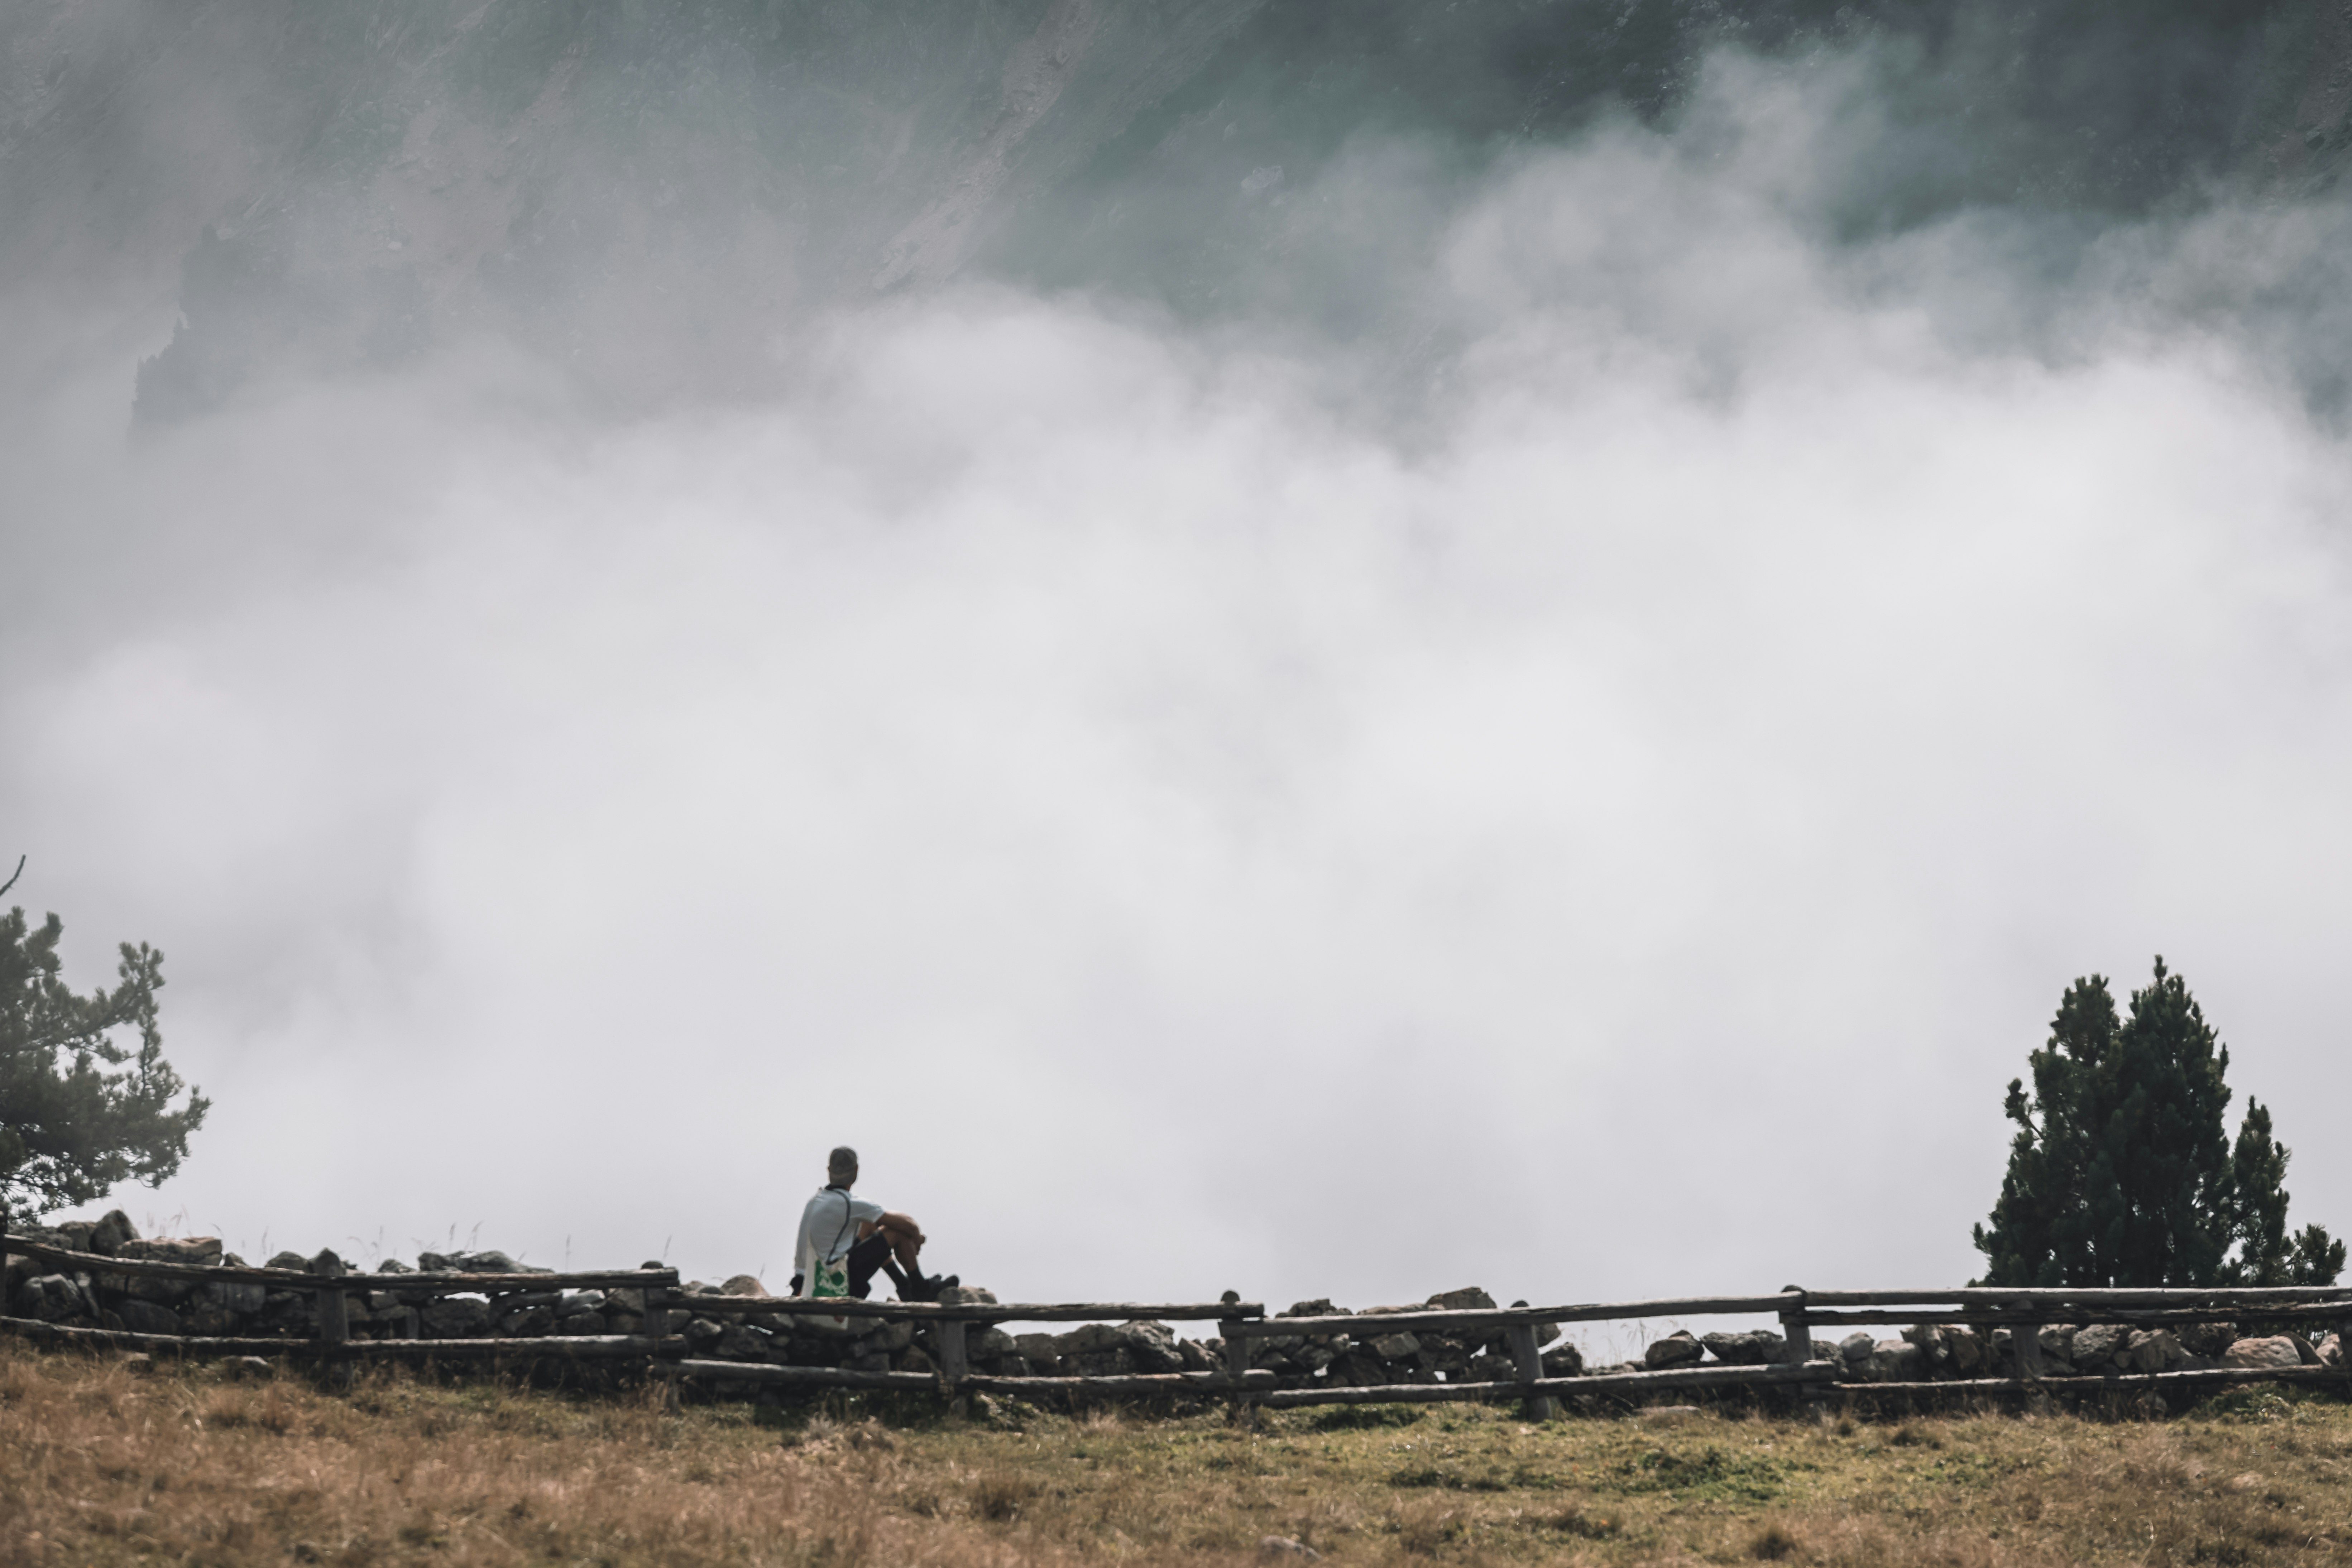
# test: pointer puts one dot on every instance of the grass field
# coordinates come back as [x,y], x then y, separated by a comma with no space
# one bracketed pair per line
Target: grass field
[103,1464]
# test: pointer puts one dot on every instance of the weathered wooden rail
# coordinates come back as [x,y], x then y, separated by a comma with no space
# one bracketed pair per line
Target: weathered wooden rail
[1241,1324]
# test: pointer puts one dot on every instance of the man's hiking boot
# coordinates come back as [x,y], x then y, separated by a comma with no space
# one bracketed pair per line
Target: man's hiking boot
[921,1289]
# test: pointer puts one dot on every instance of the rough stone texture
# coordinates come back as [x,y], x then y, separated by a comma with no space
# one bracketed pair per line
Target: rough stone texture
[2331,1351]
[52,1298]
[1896,1361]
[2212,1340]
[487,1261]
[1677,1349]
[1740,1350]
[528,1322]
[112,1230]
[1154,1347]
[1469,1298]
[456,1318]
[1563,1361]
[1395,1347]
[2153,1351]
[147,1317]
[2099,1346]
[742,1342]
[743,1285]
[1855,1348]
[2278,1351]
[201,1251]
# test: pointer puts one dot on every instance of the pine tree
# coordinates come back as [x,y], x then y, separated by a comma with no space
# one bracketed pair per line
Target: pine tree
[80,1111]
[2122,1172]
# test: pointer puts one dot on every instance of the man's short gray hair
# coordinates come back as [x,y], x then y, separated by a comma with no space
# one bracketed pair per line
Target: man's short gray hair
[842,1162]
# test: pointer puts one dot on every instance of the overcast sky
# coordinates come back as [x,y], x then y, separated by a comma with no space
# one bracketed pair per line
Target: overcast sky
[1611,829]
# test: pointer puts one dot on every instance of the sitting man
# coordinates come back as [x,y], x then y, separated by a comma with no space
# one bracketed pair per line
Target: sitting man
[845,1239]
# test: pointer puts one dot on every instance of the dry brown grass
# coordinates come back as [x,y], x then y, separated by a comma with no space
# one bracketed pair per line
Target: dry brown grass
[99,1465]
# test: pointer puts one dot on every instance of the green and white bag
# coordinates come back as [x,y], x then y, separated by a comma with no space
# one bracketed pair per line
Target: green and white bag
[831,1278]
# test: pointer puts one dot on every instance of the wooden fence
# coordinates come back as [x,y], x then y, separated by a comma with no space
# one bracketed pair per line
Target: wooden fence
[1798,1312]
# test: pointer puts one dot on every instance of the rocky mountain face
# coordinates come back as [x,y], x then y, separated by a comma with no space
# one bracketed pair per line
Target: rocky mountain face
[653,191]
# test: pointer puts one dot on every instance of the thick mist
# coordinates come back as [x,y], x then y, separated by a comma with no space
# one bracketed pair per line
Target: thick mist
[1586,776]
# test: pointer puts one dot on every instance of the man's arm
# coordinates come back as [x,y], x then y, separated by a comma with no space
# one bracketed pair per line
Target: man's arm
[896,1224]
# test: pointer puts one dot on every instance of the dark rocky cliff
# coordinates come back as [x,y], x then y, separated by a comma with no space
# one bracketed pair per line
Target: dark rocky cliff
[652,191]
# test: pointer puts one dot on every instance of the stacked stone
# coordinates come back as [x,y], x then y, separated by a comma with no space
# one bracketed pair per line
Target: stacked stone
[1373,1356]
[1932,1352]
[222,1309]
[1367,1355]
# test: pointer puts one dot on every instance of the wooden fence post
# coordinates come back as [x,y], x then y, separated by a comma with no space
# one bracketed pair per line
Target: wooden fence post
[656,1327]
[334,1324]
[1237,1364]
[2026,1340]
[1529,1358]
[954,1367]
[1797,1345]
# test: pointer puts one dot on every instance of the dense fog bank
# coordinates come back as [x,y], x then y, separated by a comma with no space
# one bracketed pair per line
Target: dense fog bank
[1566,736]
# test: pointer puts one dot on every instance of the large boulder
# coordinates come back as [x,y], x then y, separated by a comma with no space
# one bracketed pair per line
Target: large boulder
[743,1285]
[1042,1352]
[147,1317]
[1855,1348]
[2155,1350]
[1964,1350]
[1469,1298]
[112,1230]
[51,1298]
[1154,1347]
[1740,1350]
[1896,1361]
[2099,1347]
[1395,1347]
[2275,1352]
[487,1261]
[876,1336]
[530,1322]
[2210,1340]
[455,1318]
[742,1342]
[1680,1348]
[989,1344]
[967,1296]
[1563,1361]
[2331,1351]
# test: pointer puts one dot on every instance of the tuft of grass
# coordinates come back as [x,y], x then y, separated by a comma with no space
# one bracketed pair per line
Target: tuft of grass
[1772,1543]
[1364,1418]
[999,1496]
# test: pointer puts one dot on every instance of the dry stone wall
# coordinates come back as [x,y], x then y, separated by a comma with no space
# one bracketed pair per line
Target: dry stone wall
[1363,1356]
